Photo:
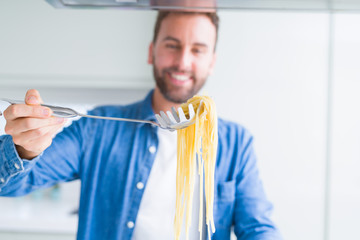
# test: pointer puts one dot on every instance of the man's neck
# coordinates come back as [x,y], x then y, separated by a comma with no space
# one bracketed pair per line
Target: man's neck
[162,104]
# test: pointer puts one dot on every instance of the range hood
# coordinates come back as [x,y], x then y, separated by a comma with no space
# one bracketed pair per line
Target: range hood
[302,5]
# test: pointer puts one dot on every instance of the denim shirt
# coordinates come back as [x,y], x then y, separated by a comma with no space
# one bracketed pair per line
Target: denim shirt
[111,157]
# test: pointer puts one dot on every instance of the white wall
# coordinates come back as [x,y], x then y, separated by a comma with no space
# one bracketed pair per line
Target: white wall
[271,76]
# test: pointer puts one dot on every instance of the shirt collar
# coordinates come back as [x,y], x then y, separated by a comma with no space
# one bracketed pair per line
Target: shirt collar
[147,112]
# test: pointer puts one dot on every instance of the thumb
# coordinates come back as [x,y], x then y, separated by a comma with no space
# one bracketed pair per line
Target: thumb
[32,97]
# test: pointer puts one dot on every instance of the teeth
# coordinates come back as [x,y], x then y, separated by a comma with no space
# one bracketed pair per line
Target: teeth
[180,77]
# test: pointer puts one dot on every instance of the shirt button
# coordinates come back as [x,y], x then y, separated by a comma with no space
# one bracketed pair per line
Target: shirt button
[140,185]
[2,180]
[17,166]
[152,149]
[130,224]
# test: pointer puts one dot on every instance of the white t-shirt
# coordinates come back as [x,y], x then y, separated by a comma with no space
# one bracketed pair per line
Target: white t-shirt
[155,219]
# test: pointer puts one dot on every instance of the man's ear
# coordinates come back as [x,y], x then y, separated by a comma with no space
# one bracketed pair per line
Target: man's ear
[212,64]
[150,54]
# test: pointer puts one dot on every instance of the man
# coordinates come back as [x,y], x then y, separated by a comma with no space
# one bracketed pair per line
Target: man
[127,170]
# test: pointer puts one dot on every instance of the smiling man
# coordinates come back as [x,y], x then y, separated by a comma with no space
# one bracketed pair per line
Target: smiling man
[128,172]
[183,54]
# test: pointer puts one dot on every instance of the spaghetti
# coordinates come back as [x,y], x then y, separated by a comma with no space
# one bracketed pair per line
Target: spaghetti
[197,142]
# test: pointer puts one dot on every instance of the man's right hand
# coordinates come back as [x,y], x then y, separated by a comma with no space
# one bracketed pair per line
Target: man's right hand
[31,126]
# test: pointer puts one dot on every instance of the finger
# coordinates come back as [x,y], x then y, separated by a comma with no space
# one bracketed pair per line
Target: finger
[41,143]
[32,97]
[21,110]
[33,139]
[20,125]
[37,145]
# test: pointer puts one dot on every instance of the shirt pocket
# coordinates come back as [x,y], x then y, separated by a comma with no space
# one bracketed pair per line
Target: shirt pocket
[225,191]
[224,202]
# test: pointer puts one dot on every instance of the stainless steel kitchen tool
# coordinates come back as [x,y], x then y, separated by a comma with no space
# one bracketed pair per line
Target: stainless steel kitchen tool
[177,119]
[171,121]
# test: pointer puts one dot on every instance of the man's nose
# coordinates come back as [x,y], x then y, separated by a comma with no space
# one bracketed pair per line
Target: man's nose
[185,60]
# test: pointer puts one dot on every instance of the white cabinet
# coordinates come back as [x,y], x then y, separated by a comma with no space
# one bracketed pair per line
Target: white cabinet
[43,46]
[345,144]
[36,236]
[41,215]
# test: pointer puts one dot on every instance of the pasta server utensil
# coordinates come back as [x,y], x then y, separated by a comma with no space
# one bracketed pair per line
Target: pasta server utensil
[171,121]
[177,119]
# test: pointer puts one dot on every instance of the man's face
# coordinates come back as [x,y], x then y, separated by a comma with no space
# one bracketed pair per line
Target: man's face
[183,55]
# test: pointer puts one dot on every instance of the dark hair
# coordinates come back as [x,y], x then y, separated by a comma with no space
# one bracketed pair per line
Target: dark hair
[214,18]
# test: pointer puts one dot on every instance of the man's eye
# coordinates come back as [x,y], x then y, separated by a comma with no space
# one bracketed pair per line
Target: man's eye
[198,50]
[172,46]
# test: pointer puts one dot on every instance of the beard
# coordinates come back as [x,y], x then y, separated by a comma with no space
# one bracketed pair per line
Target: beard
[172,93]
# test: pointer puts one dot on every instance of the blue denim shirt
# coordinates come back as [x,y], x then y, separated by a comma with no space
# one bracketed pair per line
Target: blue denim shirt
[111,157]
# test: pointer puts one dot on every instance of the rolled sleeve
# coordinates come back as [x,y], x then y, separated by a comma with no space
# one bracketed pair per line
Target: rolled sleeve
[10,162]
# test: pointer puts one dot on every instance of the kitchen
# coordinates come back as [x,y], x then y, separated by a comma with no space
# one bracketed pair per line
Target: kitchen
[288,74]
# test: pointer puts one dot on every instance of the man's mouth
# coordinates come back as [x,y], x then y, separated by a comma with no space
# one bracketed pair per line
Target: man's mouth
[180,78]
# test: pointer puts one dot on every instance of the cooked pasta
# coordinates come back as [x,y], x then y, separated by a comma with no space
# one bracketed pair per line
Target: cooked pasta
[196,142]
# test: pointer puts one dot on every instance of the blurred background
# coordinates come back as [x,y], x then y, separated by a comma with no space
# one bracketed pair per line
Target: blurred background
[290,77]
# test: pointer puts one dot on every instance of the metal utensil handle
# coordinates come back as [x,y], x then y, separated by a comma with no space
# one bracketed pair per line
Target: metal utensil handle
[119,119]
[57,111]
[62,111]
[69,113]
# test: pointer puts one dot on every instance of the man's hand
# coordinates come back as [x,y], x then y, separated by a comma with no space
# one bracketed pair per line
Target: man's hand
[31,125]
